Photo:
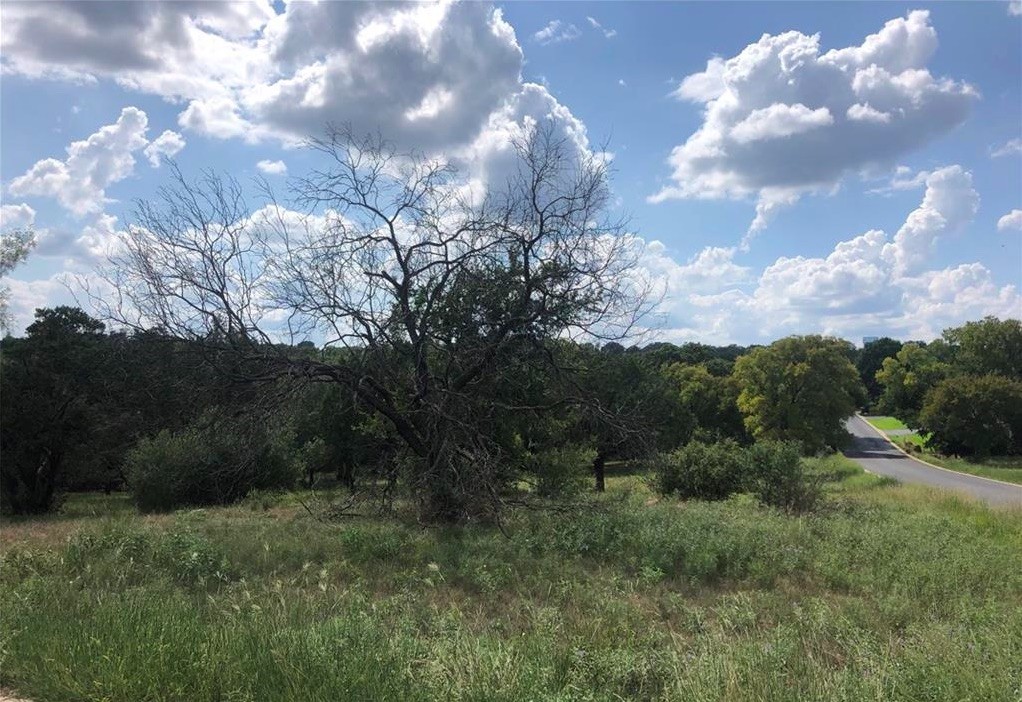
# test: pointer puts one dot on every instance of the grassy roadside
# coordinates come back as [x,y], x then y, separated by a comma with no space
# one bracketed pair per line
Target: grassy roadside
[885,423]
[888,593]
[1006,468]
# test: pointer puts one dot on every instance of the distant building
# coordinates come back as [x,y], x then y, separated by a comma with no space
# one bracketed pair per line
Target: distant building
[869,339]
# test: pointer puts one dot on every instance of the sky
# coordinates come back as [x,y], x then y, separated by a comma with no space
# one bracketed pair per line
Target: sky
[852,169]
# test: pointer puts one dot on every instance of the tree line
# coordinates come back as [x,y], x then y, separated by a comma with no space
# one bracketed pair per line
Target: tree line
[83,408]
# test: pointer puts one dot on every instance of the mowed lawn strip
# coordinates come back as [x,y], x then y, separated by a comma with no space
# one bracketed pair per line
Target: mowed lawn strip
[885,423]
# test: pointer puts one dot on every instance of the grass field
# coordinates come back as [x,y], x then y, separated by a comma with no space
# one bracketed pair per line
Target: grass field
[889,593]
[886,423]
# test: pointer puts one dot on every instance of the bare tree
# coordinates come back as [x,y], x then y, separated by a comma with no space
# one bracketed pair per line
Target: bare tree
[438,295]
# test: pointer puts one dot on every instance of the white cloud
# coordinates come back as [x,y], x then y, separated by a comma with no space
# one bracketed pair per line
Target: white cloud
[705,86]
[557,31]
[621,82]
[1010,222]
[949,204]
[860,112]
[16,216]
[1015,8]
[443,78]
[607,33]
[866,285]
[783,119]
[903,178]
[24,297]
[778,121]
[80,249]
[105,157]
[1011,147]
[245,71]
[168,145]
[272,167]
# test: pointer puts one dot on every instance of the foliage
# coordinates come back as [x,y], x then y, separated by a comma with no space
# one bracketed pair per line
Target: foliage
[702,471]
[989,346]
[800,388]
[711,400]
[47,405]
[561,471]
[870,360]
[210,464]
[908,376]
[772,470]
[779,477]
[974,416]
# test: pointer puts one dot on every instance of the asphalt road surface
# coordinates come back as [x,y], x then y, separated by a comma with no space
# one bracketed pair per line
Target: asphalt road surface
[874,453]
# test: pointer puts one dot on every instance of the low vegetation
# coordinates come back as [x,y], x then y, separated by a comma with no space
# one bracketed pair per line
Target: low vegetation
[1004,468]
[628,598]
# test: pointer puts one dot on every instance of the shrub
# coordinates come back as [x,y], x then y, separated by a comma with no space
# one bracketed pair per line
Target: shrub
[771,470]
[703,471]
[204,466]
[974,416]
[779,477]
[561,471]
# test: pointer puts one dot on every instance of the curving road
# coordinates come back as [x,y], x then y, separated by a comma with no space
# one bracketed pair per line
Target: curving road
[876,454]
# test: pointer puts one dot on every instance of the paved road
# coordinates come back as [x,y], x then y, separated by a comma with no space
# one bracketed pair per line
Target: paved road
[875,454]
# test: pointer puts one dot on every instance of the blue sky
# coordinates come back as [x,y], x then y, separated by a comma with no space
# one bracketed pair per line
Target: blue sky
[845,168]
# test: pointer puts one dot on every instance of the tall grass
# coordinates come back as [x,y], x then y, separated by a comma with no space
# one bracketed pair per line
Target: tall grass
[885,594]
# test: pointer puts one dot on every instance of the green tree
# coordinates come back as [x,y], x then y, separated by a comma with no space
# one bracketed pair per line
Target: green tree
[989,346]
[47,405]
[974,415]
[800,388]
[626,409]
[871,360]
[908,376]
[712,400]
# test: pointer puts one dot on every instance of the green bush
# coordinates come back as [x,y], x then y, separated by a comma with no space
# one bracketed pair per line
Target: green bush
[702,471]
[206,466]
[779,478]
[974,416]
[771,470]
[562,471]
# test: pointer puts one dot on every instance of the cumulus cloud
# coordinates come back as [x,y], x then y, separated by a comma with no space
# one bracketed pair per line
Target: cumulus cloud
[444,78]
[869,284]
[557,31]
[92,164]
[1010,222]
[782,118]
[80,249]
[16,216]
[272,167]
[948,205]
[1015,7]
[167,145]
[425,75]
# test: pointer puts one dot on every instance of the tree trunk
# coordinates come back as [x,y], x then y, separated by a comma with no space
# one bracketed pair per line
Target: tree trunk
[598,471]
